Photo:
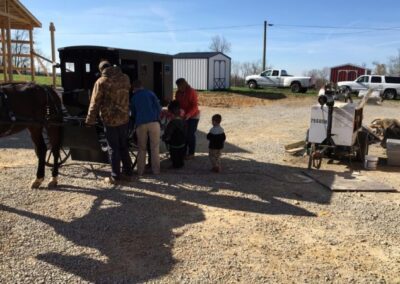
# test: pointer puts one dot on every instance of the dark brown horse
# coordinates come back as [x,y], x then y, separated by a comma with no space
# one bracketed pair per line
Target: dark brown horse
[36,108]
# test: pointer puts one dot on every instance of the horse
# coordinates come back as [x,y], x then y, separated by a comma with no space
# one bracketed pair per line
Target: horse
[36,108]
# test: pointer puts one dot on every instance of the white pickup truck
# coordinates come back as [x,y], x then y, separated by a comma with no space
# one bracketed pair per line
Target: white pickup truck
[388,86]
[279,78]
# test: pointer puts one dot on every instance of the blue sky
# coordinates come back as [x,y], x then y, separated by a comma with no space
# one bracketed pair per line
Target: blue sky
[126,24]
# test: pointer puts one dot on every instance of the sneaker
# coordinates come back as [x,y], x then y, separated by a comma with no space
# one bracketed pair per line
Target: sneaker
[111,180]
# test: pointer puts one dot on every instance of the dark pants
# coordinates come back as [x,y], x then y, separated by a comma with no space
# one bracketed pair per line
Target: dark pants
[191,128]
[117,139]
[177,157]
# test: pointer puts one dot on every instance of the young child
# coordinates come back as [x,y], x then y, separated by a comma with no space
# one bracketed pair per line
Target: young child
[174,136]
[217,137]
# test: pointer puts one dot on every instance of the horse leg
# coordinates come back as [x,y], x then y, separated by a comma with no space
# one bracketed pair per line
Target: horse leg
[41,149]
[54,134]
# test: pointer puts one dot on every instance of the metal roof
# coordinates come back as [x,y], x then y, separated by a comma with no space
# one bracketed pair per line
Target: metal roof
[355,65]
[20,17]
[196,55]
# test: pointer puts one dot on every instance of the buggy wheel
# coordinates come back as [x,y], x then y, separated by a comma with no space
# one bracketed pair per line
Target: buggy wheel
[65,153]
[64,156]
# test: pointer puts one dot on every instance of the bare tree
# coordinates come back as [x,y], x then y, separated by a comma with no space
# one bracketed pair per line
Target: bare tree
[394,64]
[220,44]
[20,48]
[319,77]
[380,68]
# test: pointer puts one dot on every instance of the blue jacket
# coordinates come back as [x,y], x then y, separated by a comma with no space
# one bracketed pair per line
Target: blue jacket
[145,107]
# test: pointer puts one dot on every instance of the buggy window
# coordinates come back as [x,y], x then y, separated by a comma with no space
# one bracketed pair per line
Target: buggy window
[376,79]
[87,67]
[70,67]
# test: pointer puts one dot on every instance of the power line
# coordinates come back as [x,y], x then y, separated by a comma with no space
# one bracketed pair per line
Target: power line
[340,27]
[165,31]
[344,28]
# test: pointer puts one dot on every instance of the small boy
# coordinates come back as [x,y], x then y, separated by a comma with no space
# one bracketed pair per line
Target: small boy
[174,136]
[217,137]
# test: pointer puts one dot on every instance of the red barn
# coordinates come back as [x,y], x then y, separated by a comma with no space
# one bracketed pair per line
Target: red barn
[347,72]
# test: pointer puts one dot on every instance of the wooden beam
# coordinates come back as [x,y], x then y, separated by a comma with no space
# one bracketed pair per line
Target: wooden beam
[3,47]
[44,67]
[53,53]
[18,55]
[32,55]
[9,50]
[20,41]
[10,16]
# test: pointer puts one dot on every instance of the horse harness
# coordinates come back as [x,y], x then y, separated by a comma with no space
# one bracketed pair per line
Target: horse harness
[12,119]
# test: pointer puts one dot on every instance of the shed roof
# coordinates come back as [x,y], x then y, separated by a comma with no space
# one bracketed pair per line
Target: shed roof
[20,17]
[355,65]
[198,55]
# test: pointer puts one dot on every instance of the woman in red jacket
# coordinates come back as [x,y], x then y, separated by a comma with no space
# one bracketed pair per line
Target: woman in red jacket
[187,98]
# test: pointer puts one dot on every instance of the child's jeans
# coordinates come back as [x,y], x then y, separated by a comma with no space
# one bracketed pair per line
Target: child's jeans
[215,157]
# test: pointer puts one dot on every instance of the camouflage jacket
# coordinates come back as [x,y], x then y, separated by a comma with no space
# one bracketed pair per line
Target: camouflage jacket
[110,98]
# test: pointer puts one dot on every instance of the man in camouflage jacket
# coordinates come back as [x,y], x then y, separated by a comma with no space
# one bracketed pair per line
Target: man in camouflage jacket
[110,99]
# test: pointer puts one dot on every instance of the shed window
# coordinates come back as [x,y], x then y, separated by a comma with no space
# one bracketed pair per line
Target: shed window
[70,67]
[376,79]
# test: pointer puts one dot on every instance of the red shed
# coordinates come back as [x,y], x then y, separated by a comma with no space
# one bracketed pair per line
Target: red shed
[347,72]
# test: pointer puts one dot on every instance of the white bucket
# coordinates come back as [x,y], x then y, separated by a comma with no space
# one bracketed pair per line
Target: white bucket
[370,162]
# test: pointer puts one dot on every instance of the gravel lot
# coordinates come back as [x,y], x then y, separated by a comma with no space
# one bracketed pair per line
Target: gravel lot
[259,221]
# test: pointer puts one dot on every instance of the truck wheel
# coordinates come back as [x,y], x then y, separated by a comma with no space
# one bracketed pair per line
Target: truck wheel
[295,87]
[389,94]
[303,90]
[252,85]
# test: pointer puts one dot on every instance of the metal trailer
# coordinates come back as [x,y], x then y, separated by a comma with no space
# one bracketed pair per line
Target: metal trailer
[336,130]
[79,72]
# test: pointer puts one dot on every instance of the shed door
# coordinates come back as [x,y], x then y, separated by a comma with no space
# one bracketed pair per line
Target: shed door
[219,74]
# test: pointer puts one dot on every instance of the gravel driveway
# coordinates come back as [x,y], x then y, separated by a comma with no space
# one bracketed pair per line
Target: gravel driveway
[259,221]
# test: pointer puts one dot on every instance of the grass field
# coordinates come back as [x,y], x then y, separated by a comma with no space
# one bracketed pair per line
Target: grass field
[42,80]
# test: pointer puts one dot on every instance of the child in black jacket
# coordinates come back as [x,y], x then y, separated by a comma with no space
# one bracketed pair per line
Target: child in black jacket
[175,137]
[217,137]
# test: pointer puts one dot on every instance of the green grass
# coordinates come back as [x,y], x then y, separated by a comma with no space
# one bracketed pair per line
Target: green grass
[42,80]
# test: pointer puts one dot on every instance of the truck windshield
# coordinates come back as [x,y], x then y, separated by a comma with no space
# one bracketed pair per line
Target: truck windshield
[266,73]
[284,73]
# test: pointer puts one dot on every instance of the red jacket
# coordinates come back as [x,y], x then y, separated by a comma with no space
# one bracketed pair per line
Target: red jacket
[188,102]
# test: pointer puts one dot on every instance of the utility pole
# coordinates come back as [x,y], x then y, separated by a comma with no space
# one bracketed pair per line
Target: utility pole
[265,45]
[266,25]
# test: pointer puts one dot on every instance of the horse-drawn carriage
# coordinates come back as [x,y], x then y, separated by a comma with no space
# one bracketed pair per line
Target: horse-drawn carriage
[61,118]
[79,72]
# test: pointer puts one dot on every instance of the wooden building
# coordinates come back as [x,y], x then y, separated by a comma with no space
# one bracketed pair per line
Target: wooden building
[15,16]
[347,72]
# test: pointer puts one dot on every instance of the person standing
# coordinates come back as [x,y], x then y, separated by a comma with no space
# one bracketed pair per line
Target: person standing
[174,136]
[187,98]
[110,99]
[146,109]
[217,138]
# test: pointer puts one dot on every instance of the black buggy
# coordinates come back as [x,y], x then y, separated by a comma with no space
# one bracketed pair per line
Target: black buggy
[79,72]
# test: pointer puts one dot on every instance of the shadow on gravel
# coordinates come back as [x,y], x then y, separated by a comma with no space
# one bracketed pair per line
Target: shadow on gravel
[132,230]
[132,225]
